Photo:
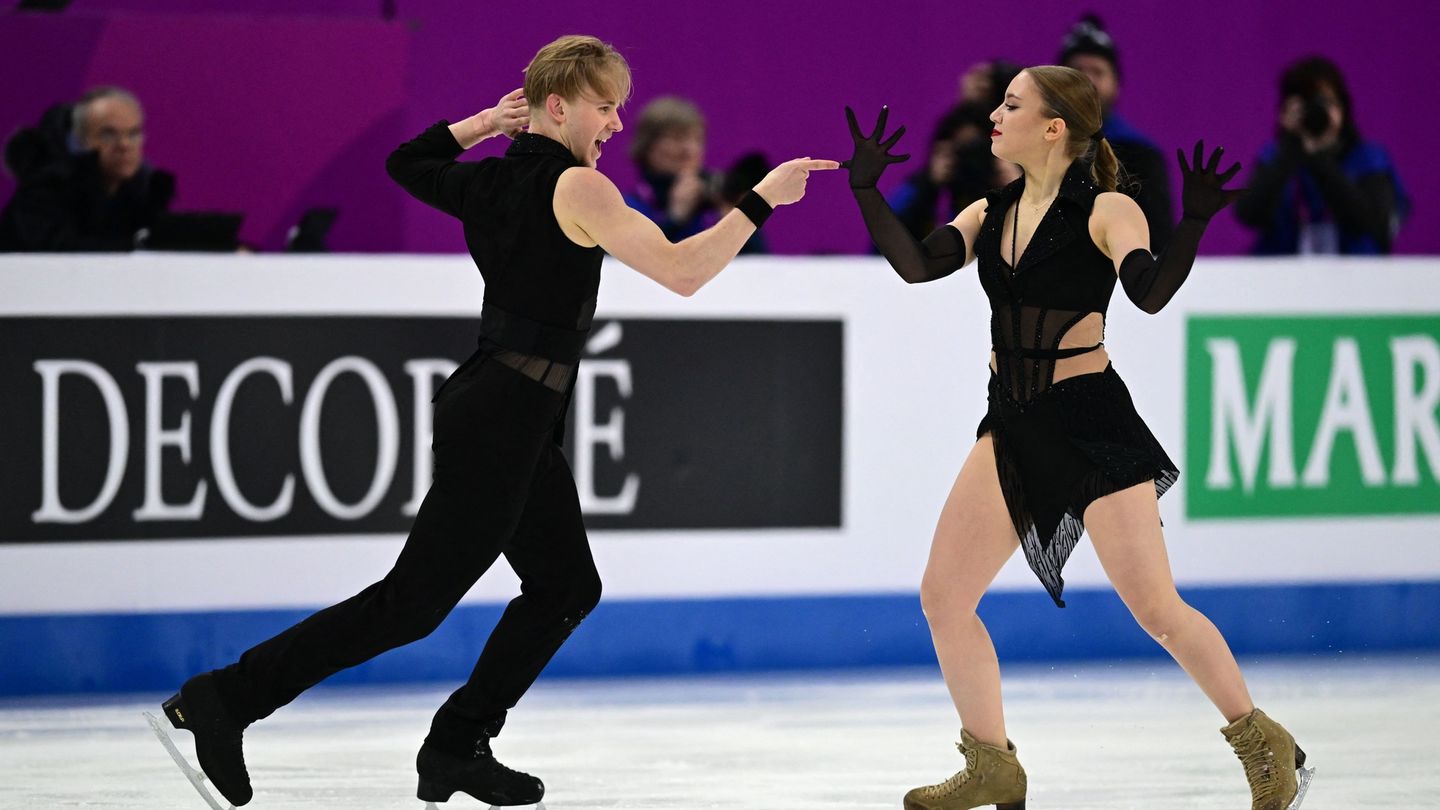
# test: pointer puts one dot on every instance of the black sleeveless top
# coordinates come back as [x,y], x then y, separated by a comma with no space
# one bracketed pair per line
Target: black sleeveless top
[538,283]
[1060,278]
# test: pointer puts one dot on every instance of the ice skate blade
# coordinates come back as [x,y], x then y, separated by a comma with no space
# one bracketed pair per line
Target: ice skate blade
[432,806]
[1302,784]
[197,779]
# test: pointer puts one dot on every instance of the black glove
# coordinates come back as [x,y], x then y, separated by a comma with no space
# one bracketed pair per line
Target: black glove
[942,252]
[871,156]
[1202,195]
[1151,281]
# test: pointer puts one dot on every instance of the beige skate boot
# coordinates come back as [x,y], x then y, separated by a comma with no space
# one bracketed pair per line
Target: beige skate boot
[991,776]
[1273,762]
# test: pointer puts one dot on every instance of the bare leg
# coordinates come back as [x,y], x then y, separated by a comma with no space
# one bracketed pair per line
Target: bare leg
[1125,528]
[973,539]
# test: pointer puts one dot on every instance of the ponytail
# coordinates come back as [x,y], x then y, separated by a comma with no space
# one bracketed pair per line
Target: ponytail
[1070,95]
[1106,167]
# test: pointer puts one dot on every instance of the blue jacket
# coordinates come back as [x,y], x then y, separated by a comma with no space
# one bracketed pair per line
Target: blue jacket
[1358,193]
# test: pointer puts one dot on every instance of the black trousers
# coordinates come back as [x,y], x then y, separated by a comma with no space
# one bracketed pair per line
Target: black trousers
[502,486]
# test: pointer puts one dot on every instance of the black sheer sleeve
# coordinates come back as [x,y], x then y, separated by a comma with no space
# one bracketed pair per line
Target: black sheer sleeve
[940,254]
[1151,281]
[426,167]
[915,203]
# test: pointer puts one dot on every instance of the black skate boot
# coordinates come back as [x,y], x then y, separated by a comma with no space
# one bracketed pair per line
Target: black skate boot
[197,709]
[456,760]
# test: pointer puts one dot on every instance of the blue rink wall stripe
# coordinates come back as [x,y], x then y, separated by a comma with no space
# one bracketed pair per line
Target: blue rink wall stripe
[139,652]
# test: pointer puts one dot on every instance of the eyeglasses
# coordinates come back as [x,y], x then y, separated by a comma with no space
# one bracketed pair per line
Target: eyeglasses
[112,137]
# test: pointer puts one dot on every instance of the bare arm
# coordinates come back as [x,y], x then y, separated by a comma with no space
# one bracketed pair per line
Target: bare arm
[968,223]
[591,211]
[1119,226]
[1123,235]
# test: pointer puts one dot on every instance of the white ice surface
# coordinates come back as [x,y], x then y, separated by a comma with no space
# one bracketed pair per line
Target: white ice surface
[1092,736]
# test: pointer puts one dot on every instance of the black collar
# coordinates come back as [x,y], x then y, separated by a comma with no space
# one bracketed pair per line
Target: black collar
[528,143]
[1077,187]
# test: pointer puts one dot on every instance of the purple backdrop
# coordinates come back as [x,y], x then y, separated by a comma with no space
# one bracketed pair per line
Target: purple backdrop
[260,114]
[271,114]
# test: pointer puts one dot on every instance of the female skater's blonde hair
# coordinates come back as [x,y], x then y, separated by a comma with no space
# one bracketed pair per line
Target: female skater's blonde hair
[572,65]
[1069,94]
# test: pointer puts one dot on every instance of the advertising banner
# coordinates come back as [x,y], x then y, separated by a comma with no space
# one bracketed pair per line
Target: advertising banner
[1310,416]
[146,428]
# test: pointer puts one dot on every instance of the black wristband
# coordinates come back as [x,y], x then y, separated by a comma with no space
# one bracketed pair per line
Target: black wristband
[754,206]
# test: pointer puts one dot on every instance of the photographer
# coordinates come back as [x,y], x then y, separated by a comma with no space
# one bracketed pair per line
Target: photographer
[676,191]
[1319,188]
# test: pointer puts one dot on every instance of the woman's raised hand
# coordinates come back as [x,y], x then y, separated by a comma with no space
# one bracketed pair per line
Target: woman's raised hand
[871,154]
[1203,193]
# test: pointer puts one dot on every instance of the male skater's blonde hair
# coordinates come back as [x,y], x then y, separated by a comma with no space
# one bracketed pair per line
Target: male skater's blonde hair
[572,65]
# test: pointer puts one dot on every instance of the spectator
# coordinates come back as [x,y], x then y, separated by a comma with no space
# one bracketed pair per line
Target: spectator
[960,170]
[95,199]
[984,83]
[1090,50]
[1319,187]
[676,191]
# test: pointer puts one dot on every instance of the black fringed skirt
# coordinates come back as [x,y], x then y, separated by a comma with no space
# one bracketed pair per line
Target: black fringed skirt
[1075,442]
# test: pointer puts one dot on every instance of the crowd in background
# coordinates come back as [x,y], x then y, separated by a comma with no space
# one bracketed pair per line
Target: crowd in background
[1318,187]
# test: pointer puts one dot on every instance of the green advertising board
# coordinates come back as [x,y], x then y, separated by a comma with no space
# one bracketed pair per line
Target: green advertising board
[1312,415]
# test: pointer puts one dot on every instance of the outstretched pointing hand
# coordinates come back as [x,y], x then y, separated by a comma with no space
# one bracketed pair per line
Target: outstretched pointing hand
[785,183]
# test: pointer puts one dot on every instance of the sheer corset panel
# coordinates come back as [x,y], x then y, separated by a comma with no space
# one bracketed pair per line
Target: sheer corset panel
[1033,348]
[552,375]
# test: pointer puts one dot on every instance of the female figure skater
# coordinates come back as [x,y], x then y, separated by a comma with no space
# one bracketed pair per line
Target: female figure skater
[1061,448]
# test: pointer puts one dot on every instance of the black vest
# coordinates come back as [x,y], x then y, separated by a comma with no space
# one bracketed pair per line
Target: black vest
[1061,267]
[1060,278]
[540,287]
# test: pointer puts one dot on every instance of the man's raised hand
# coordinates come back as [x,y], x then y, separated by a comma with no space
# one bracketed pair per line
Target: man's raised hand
[511,114]
[785,183]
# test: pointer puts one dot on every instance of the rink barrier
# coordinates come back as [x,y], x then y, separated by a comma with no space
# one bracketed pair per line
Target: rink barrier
[106,653]
[1302,415]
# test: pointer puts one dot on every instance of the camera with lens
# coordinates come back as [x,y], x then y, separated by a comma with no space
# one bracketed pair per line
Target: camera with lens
[1315,116]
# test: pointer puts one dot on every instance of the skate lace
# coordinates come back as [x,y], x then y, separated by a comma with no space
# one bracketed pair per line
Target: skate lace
[950,786]
[482,751]
[1258,757]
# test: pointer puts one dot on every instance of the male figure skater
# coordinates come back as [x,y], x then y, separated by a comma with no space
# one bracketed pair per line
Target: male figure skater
[537,222]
